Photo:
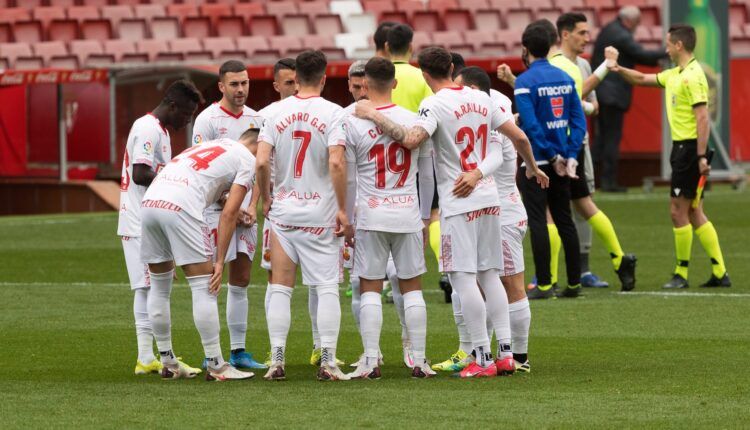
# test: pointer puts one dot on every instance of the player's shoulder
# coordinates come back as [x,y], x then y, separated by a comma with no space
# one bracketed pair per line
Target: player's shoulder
[694,71]
[147,123]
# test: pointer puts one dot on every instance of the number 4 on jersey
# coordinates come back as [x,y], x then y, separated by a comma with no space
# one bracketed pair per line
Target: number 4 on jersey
[202,156]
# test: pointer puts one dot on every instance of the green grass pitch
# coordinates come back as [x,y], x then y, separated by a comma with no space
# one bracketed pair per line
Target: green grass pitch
[605,360]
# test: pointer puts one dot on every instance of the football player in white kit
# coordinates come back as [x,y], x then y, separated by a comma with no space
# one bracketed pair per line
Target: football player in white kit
[174,232]
[229,118]
[514,224]
[459,120]
[389,219]
[146,152]
[308,141]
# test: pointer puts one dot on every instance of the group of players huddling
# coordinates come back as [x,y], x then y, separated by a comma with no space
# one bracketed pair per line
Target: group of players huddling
[342,185]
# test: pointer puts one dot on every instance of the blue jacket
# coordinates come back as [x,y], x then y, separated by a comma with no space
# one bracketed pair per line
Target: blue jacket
[550,110]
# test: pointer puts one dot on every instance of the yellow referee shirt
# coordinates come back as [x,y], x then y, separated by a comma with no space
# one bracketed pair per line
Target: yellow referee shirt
[561,62]
[411,88]
[685,89]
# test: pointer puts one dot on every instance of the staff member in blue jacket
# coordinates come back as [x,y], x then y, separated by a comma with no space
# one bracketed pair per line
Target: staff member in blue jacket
[551,115]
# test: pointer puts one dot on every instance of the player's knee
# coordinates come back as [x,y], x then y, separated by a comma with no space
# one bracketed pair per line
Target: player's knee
[330,289]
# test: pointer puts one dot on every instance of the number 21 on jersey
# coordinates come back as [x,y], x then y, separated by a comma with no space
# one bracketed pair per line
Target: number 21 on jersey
[467,136]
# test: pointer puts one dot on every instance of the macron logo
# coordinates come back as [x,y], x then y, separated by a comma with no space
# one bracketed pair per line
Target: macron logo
[554,91]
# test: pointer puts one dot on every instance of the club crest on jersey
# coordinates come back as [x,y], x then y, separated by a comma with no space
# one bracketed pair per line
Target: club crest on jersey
[558,106]
[197,139]
[223,130]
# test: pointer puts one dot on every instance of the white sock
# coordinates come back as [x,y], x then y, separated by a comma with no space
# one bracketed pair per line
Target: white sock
[474,313]
[415,311]
[329,320]
[312,309]
[267,298]
[143,332]
[206,317]
[356,301]
[463,334]
[398,300]
[371,318]
[490,327]
[159,312]
[520,321]
[279,318]
[237,316]
[496,300]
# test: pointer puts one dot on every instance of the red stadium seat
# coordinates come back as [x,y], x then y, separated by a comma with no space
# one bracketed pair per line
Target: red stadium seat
[478,37]
[118,48]
[590,14]
[95,3]
[6,34]
[149,11]
[133,29]
[265,56]
[458,19]
[510,37]
[446,38]
[29,63]
[63,3]
[599,4]
[47,50]
[169,57]
[398,16]
[378,7]
[410,6]
[281,8]
[164,28]
[488,20]
[11,51]
[314,41]
[30,4]
[227,55]
[100,61]
[15,14]
[96,29]
[441,6]
[4,63]
[196,26]
[116,13]
[231,26]
[63,30]
[550,14]
[151,47]
[246,10]
[505,5]
[473,5]
[127,2]
[28,31]
[214,11]
[66,62]
[327,24]
[185,45]
[182,11]
[83,48]
[738,14]
[650,16]
[518,18]
[421,40]
[426,21]
[251,44]
[538,4]
[284,43]
[45,15]
[217,45]
[264,25]
[295,25]
[493,49]
[465,50]
[606,15]
[334,54]
[81,13]
[313,7]
[570,4]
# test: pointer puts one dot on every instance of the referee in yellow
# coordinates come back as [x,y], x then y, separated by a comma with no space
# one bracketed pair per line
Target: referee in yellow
[686,93]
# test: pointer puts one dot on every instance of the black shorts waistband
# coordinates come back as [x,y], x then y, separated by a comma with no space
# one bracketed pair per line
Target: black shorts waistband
[685,142]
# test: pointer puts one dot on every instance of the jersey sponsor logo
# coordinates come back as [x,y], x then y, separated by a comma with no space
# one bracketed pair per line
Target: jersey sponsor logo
[554,91]
[560,123]
[424,112]
[494,210]
[470,108]
[283,194]
[161,204]
[393,202]
[558,106]
[178,180]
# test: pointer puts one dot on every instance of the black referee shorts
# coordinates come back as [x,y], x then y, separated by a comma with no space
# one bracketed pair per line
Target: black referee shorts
[579,188]
[685,171]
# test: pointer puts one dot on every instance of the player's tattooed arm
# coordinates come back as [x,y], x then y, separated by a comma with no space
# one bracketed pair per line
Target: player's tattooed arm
[143,174]
[410,138]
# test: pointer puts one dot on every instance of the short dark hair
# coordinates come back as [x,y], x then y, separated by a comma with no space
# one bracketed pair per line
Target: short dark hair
[250,133]
[311,67]
[380,73]
[381,34]
[536,38]
[283,64]
[231,66]
[684,33]
[436,61]
[474,75]
[568,21]
[399,39]
[458,63]
[182,92]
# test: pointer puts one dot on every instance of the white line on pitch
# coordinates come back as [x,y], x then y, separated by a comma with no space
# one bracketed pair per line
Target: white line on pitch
[679,294]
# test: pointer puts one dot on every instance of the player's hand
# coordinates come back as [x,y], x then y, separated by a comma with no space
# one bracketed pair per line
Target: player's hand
[541,178]
[252,216]
[245,218]
[703,166]
[560,167]
[223,199]
[570,168]
[466,182]
[505,74]
[215,285]
[343,228]
[611,55]
[364,109]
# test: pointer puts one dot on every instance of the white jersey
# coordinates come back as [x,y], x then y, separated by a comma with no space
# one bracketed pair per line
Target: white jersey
[512,210]
[349,110]
[459,120]
[148,143]
[198,176]
[215,122]
[387,197]
[267,113]
[301,132]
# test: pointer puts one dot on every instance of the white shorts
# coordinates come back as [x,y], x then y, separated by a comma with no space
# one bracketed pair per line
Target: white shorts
[316,250]
[513,248]
[470,241]
[243,242]
[137,269]
[373,248]
[168,235]
[265,248]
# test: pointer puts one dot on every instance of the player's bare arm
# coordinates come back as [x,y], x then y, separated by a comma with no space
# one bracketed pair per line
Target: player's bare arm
[702,121]
[506,75]
[410,138]
[251,211]
[143,174]
[634,77]
[227,226]
[263,174]
[523,146]
[611,54]
[337,169]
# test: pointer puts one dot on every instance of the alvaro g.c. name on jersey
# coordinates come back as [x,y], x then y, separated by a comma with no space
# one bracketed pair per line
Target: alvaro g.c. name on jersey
[148,143]
[459,120]
[301,132]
